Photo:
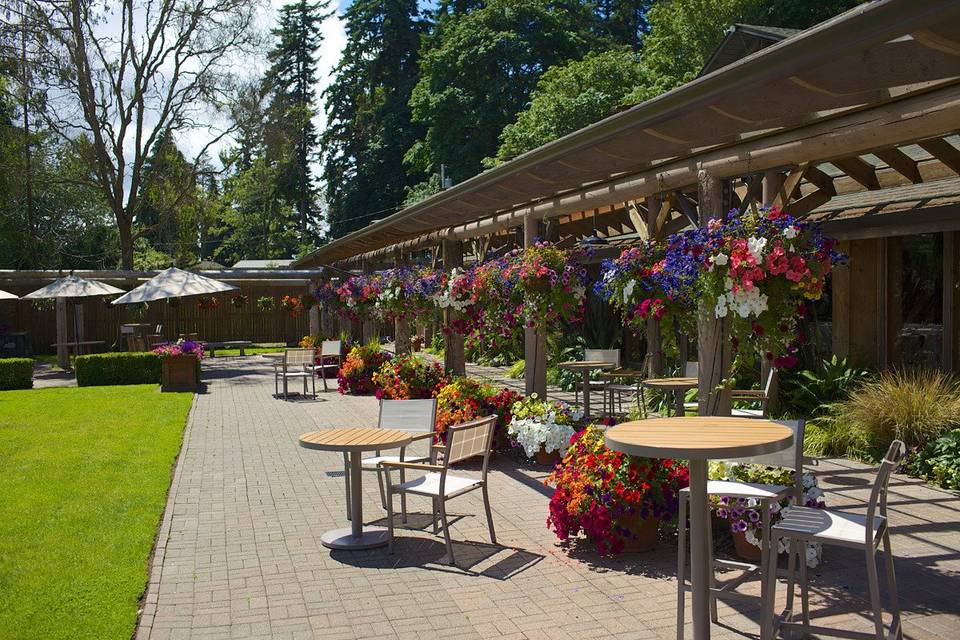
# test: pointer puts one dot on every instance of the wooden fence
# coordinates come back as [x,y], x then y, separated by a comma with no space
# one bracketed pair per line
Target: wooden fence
[101,320]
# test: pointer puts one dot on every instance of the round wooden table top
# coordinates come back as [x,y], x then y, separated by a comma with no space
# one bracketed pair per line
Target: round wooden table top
[355,439]
[699,437]
[587,364]
[671,383]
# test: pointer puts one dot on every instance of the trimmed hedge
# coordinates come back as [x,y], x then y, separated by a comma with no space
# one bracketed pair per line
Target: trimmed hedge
[16,373]
[100,369]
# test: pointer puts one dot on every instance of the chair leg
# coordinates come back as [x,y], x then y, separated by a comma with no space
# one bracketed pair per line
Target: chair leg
[383,493]
[390,516]
[791,570]
[769,588]
[681,564]
[804,584]
[713,574]
[403,497]
[346,476]
[892,585]
[873,583]
[486,506]
[446,532]
[764,562]
[434,514]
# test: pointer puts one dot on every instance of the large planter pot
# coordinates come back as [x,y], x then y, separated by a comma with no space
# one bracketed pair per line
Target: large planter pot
[745,550]
[545,459]
[644,532]
[180,373]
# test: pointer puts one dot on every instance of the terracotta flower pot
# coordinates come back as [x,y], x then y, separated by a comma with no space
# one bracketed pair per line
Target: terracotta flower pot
[180,373]
[744,549]
[644,531]
[548,459]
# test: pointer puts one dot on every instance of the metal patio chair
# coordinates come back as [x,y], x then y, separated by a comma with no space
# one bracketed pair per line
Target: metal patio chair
[802,525]
[600,355]
[464,441]
[761,396]
[329,349]
[790,458]
[407,415]
[295,365]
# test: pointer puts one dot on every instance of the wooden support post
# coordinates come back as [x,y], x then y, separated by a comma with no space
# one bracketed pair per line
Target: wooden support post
[401,326]
[654,337]
[454,360]
[63,354]
[368,328]
[314,317]
[534,341]
[713,334]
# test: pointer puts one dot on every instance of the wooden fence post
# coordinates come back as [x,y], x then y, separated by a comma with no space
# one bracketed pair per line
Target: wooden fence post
[713,334]
[454,359]
[534,340]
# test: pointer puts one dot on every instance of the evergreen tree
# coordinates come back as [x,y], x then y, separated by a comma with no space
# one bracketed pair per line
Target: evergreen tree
[290,135]
[478,72]
[369,125]
[624,21]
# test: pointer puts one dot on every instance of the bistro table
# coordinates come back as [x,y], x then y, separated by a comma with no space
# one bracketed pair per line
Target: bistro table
[356,440]
[678,386]
[586,366]
[698,439]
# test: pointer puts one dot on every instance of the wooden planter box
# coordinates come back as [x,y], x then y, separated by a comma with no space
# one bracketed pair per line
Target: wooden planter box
[180,373]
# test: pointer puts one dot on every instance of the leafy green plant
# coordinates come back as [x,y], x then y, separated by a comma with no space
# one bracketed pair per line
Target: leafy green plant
[117,368]
[939,461]
[915,406]
[517,370]
[16,373]
[265,303]
[806,393]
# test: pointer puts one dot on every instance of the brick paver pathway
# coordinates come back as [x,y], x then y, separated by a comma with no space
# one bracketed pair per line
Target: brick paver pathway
[239,553]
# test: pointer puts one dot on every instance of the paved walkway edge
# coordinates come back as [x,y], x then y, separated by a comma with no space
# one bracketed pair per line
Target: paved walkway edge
[148,605]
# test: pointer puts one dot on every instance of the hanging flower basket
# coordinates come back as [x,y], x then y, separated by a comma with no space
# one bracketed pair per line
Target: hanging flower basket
[208,302]
[238,300]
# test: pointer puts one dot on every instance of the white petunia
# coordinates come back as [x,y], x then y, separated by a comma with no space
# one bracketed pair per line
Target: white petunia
[756,246]
[790,232]
[628,291]
[721,259]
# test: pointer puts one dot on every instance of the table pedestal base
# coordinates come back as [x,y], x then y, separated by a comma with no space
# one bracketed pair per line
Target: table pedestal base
[369,538]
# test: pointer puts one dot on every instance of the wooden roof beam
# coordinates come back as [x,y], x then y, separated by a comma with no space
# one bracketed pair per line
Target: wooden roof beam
[860,170]
[901,163]
[943,151]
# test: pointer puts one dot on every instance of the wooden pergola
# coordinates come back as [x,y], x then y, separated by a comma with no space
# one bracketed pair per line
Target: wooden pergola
[848,122]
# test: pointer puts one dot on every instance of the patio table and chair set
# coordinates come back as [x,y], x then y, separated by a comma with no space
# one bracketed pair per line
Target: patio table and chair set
[748,438]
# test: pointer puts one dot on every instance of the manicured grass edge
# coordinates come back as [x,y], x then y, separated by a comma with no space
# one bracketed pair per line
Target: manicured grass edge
[164,526]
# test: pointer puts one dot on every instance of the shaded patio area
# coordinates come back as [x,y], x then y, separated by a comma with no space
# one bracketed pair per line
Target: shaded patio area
[239,553]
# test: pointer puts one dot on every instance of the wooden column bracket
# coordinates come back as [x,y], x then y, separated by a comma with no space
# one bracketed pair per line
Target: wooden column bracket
[901,163]
[859,170]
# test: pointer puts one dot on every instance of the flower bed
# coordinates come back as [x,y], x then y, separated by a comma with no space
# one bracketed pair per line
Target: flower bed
[744,514]
[602,493]
[408,377]
[466,398]
[356,374]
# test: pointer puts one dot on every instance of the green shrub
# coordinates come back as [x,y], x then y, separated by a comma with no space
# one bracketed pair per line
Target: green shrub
[16,373]
[117,368]
[939,461]
[516,370]
[807,393]
[916,406]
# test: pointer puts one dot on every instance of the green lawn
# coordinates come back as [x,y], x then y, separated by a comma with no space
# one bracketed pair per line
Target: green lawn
[84,475]
[252,351]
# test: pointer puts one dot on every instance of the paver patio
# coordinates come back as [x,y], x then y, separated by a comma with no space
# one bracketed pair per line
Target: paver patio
[239,553]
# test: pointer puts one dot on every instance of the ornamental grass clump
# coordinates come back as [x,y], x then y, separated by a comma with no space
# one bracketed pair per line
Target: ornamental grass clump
[912,405]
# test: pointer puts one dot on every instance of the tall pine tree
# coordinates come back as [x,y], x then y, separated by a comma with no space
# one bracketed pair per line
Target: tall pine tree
[369,126]
[290,135]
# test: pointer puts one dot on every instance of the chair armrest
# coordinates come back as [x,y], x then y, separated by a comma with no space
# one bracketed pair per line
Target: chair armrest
[747,394]
[423,436]
[411,465]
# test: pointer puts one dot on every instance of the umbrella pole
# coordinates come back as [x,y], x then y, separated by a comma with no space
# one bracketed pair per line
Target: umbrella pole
[63,355]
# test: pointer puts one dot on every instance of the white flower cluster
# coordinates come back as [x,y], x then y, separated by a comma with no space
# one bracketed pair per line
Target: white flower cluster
[628,291]
[532,432]
[444,299]
[745,302]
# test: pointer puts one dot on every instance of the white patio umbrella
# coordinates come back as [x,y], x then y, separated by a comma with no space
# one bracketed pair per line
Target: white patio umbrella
[6,295]
[173,283]
[71,287]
